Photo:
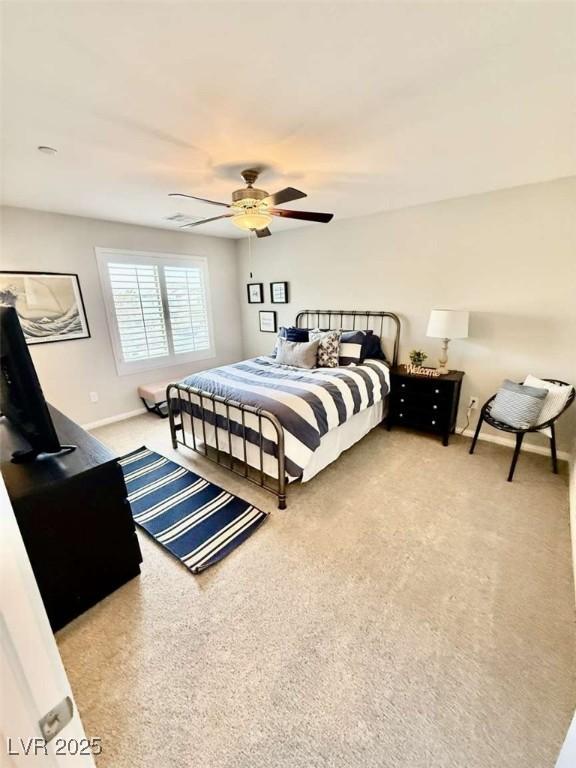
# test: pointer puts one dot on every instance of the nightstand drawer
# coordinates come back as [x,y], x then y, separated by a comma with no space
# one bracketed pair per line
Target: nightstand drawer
[421,387]
[420,419]
[431,403]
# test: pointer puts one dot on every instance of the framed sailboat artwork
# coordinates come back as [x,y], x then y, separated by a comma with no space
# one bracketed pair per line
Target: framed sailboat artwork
[49,305]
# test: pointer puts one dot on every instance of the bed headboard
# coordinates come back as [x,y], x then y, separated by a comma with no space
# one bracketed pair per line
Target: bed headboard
[361,320]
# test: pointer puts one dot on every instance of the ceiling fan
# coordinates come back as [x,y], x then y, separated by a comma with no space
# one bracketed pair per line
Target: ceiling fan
[252,209]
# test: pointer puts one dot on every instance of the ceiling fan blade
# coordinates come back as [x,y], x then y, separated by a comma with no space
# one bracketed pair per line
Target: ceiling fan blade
[205,221]
[284,196]
[324,218]
[262,232]
[202,199]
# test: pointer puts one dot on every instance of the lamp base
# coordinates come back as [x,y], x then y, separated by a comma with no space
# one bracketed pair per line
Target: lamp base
[443,360]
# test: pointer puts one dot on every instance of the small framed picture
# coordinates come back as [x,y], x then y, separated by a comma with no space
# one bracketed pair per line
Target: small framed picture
[267,321]
[255,293]
[279,293]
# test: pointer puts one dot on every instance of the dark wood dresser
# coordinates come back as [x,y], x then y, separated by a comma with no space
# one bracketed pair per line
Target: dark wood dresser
[424,402]
[74,518]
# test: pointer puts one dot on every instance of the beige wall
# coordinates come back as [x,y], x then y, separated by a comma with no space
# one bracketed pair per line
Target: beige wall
[68,371]
[572,502]
[508,256]
[567,758]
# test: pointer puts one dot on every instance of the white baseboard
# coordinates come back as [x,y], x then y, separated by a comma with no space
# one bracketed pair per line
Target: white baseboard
[543,450]
[114,419]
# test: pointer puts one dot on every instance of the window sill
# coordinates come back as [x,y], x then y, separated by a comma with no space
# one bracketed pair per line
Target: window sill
[138,366]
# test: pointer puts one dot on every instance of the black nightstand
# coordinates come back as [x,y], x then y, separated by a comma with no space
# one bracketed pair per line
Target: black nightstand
[424,402]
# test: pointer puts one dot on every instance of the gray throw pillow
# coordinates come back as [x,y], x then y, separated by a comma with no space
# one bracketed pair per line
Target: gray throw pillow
[300,354]
[518,405]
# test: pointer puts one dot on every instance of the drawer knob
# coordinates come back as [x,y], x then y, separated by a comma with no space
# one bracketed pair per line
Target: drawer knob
[403,385]
[401,399]
[435,407]
[400,414]
[437,391]
[433,422]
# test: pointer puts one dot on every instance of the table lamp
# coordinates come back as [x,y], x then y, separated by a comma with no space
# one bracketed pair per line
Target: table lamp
[447,324]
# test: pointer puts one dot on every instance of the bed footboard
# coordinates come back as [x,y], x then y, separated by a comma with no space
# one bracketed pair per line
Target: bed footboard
[202,422]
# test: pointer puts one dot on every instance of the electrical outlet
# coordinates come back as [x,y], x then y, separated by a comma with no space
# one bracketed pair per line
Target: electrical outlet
[473,403]
[93,397]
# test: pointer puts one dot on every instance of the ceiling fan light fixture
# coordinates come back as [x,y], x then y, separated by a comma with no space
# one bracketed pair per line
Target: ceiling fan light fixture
[252,220]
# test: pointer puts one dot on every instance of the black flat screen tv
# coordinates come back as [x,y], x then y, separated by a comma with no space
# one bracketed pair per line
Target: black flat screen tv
[21,398]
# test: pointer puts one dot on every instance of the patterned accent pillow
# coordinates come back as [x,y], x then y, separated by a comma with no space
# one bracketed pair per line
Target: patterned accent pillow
[517,404]
[351,344]
[328,348]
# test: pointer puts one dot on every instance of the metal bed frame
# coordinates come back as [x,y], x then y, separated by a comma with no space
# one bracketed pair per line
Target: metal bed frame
[178,395]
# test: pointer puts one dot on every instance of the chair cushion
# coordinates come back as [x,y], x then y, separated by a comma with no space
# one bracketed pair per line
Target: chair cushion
[298,354]
[556,398]
[517,405]
[328,348]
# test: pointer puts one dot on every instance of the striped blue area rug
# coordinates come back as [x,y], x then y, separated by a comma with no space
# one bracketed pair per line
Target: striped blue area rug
[196,521]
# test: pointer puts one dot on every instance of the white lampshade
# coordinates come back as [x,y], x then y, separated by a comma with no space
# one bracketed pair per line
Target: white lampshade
[448,324]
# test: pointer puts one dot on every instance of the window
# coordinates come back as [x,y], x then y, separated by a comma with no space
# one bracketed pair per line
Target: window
[158,309]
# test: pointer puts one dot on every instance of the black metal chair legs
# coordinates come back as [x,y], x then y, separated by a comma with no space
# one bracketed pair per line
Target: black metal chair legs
[553,449]
[519,438]
[476,433]
[518,447]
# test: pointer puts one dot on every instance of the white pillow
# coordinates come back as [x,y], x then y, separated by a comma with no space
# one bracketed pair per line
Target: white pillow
[555,400]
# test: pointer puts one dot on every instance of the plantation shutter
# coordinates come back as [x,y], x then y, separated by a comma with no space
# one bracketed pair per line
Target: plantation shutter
[157,307]
[187,309]
[137,297]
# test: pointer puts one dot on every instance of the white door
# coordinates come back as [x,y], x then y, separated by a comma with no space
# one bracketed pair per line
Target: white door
[32,678]
[567,758]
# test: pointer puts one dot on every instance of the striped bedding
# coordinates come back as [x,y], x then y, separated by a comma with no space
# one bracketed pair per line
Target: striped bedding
[308,404]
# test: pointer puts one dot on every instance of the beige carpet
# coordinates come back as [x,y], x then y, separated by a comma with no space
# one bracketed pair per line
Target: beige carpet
[410,609]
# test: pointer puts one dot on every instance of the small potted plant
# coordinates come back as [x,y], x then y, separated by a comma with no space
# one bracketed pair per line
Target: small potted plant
[417,357]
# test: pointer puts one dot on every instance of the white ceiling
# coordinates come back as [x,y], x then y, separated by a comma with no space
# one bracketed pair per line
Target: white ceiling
[365,106]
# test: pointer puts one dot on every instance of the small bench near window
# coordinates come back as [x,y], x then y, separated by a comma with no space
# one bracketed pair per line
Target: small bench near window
[154,398]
